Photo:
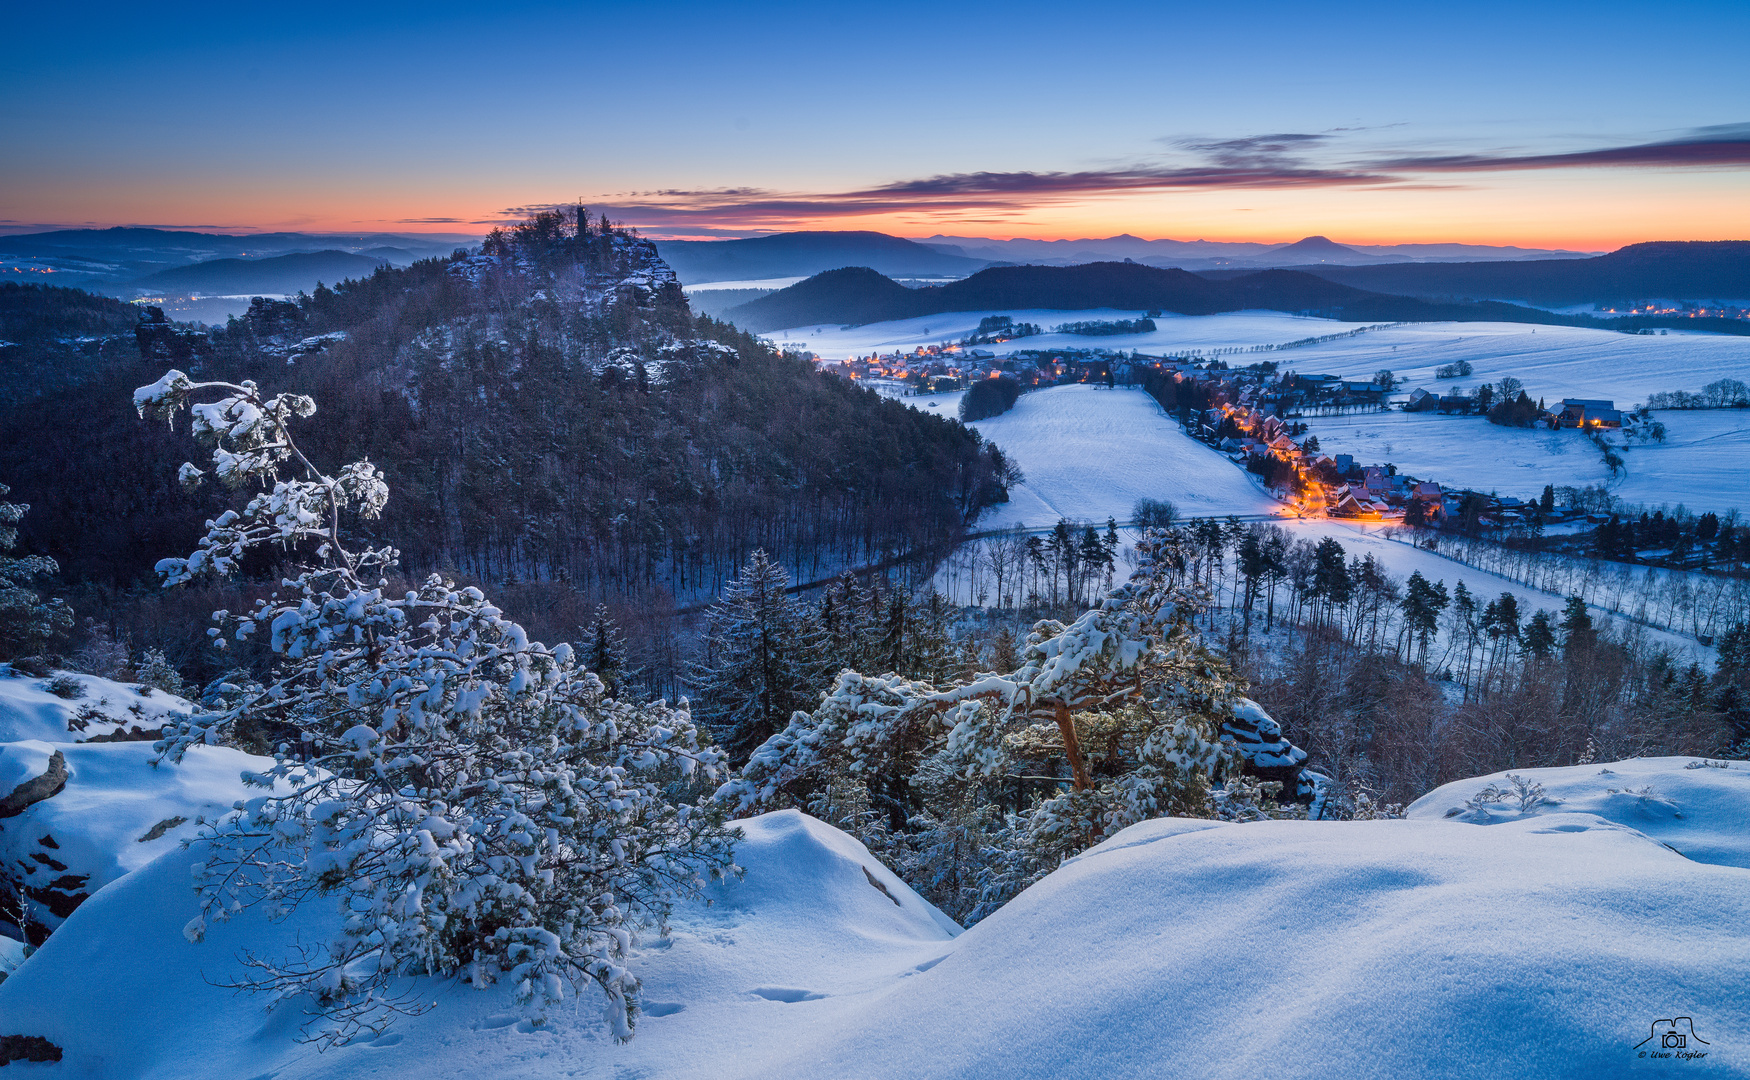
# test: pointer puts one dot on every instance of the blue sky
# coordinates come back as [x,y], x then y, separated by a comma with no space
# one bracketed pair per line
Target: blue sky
[1388,121]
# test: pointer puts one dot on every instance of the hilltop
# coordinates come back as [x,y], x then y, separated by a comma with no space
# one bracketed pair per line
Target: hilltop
[802,253]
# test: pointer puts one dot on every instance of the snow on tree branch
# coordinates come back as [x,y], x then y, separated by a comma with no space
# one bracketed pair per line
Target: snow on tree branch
[472,801]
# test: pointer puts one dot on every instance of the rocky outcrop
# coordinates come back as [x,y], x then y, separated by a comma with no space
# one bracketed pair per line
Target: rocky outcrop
[35,789]
[161,339]
[1266,753]
[27,1048]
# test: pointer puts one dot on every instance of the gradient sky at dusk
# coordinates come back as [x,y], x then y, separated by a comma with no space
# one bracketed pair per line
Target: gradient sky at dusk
[1582,126]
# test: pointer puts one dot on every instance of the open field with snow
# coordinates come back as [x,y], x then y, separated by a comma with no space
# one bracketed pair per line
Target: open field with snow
[1552,361]
[1089,454]
[1173,333]
[1702,463]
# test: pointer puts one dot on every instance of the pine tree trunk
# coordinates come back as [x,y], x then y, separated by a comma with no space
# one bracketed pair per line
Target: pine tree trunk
[1073,748]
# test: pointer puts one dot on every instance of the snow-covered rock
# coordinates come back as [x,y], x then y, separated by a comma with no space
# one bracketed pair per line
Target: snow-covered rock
[1544,946]
[102,709]
[114,812]
[29,773]
[1700,810]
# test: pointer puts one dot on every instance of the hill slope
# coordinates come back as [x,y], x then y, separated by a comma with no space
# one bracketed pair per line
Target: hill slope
[860,295]
[551,411]
[801,253]
[284,274]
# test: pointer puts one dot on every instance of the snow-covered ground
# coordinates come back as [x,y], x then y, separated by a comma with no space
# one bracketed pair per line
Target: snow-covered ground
[101,707]
[1701,463]
[116,813]
[1552,361]
[1547,944]
[1089,453]
[1172,333]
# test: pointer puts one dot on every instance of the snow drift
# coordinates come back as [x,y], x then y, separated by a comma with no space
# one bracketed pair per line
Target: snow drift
[103,710]
[1546,944]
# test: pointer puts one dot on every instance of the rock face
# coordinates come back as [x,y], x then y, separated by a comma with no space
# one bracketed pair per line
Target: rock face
[161,339]
[1268,755]
[30,772]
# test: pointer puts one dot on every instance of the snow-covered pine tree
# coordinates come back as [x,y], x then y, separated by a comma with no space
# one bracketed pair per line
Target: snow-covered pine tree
[762,659]
[1128,679]
[604,652]
[473,802]
[28,620]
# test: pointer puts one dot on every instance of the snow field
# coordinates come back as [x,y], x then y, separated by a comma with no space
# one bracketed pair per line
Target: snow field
[1697,810]
[1172,333]
[117,813]
[1544,945]
[1701,464]
[1089,453]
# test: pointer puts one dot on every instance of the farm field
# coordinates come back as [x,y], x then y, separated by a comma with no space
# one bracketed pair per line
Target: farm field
[1172,333]
[1700,465]
[1089,454]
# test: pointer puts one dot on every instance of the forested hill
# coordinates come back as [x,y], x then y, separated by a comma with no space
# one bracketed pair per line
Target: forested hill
[860,295]
[549,409]
[1713,270]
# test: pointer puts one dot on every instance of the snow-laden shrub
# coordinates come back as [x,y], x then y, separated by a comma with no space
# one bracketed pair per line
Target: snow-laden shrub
[472,801]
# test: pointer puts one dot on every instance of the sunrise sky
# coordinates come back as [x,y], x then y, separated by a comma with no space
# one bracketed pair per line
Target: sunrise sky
[1583,126]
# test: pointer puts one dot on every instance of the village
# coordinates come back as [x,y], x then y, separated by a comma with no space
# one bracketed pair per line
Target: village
[1252,415]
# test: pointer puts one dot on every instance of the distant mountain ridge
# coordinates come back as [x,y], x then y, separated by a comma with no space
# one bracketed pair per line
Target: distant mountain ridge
[1677,270]
[800,254]
[1211,254]
[860,295]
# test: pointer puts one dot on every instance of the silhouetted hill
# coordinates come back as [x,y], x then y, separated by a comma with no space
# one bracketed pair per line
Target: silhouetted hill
[1317,249]
[860,295]
[801,253]
[1700,270]
[280,274]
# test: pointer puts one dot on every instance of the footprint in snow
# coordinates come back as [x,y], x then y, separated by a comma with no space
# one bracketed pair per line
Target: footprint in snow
[786,994]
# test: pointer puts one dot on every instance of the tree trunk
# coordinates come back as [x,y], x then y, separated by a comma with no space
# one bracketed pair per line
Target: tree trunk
[1072,748]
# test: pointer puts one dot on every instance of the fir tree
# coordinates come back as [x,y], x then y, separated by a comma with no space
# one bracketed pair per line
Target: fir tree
[762,658]
[27,620]
[604,652]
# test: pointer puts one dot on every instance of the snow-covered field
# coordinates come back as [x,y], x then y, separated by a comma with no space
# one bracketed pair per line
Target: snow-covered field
[1089,453]
[1552,361]
[1547,943]
[1701,463]
[1172,333]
